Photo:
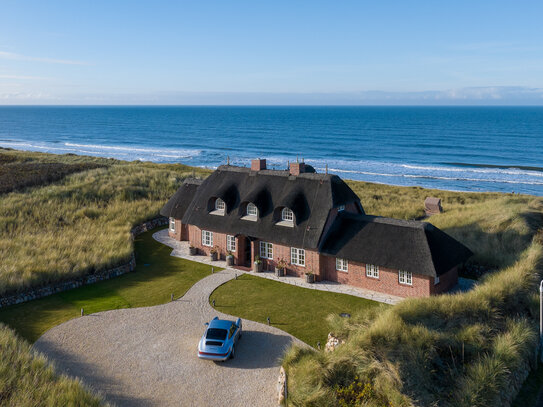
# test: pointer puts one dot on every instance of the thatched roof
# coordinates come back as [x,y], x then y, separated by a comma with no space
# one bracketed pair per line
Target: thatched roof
[179,202]
[311,196]
[414,246]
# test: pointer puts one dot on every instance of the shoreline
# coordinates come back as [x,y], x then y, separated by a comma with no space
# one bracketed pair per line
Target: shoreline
[320,170]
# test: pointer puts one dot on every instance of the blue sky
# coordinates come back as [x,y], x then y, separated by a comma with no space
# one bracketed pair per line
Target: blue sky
[280,52]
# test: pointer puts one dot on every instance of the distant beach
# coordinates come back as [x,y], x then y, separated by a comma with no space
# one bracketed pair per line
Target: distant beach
[452,148]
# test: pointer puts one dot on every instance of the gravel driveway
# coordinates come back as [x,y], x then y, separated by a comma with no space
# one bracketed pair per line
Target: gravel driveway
[148,356]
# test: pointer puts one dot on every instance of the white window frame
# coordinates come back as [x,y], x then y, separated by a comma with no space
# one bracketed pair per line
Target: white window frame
[251,210]
[297,256]
[207,238]
[266,250]
[372,271]
[172,225]
[287,215]
[220,205]
[342,265]
[231,243]
[405,277]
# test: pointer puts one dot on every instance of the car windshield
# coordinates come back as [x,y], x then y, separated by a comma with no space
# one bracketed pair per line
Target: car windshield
[216,333]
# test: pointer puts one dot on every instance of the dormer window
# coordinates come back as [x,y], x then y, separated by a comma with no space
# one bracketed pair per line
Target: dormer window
[219,207]
[252,210]
[287,215]
[250,213]
[284,217]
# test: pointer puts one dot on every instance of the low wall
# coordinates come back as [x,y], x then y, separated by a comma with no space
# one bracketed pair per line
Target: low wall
[58,287]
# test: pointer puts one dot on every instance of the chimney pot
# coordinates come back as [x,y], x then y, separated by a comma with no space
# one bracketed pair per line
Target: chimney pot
[258,164]
[297,168]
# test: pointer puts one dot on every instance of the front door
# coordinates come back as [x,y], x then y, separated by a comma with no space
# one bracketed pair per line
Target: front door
[247,260]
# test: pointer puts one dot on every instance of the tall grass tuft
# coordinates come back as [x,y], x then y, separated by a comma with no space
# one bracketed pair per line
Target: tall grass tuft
[464,349]
[80,224]
[28,380]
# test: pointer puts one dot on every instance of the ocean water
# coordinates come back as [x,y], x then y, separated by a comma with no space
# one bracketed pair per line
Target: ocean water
[453,148]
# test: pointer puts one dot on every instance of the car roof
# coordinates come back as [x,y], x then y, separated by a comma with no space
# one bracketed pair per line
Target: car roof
[220,323]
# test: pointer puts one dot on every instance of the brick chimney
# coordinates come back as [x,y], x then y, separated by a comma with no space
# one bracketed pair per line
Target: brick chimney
[258,164]
[297,168]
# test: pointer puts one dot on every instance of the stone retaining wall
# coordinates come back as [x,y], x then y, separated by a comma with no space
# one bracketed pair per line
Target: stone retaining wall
[58,287]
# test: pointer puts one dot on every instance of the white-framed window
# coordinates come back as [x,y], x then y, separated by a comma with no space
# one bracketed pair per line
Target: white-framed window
[341,208]
[252,209]
[342,265]
[287,215]
[405,277]
[207,238]
[297,256]
[436,280]
[220,205]
[172,225]
[266,250]
[231,243]
[372,271]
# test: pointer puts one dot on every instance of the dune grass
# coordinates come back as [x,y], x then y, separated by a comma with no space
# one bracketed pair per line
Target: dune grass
[80,224]
[156,277]
[28,380]
[470,349]
[302,312]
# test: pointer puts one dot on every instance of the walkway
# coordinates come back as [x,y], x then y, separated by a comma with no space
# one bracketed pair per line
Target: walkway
[148,356]
[181,249]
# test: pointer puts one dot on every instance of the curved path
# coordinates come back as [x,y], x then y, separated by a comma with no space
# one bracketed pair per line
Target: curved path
[147,356]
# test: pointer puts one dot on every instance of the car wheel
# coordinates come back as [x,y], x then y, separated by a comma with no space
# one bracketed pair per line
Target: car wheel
[233,352]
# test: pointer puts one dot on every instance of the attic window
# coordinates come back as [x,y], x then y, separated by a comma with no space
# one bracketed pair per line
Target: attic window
[252,209]
[341,208]
[220,207]
[287,215]
[251,212]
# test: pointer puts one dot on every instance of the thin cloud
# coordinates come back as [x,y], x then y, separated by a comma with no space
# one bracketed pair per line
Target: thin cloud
[18,57]
[23,77]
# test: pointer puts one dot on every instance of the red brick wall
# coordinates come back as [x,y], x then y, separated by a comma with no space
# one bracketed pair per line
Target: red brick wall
[386,283]
[324,268]
[219,242]
[312,261]
[446,281]
[181,231]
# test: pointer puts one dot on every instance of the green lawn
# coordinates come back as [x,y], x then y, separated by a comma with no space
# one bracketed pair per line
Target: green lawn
[156,277]
[301,312]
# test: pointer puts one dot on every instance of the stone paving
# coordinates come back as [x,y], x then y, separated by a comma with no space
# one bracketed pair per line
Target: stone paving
[146,357]
[181,249]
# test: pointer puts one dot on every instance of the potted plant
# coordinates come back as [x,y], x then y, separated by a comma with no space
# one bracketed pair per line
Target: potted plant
[214,253]
[309,277]
[193,251]
[280,267]
[229,259]
[257,265]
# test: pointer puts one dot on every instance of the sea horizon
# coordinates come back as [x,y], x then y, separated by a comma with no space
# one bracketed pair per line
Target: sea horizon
[459,148]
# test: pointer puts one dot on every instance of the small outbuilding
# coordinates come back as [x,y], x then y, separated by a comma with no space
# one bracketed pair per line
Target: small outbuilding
[432,206]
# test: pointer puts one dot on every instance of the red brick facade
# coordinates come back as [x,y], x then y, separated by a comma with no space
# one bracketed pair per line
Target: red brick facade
[323,266]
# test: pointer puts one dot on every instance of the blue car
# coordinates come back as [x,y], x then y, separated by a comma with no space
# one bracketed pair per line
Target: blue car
[219,340]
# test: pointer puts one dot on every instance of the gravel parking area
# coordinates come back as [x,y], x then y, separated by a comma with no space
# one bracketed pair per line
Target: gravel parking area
[148,356]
